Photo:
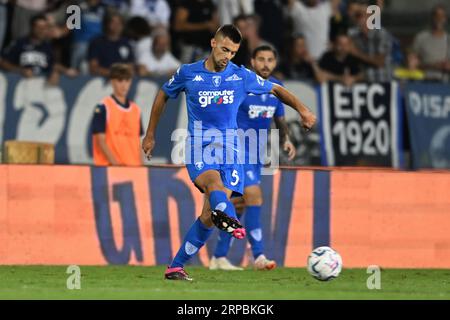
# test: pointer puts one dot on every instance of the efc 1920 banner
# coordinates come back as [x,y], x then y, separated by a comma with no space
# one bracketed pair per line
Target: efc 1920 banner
[428,111]
[361,125]
[117,215]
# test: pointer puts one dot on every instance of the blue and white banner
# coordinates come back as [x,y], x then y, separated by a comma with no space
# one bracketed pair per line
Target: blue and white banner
[32,110]
[361,125]
[428,111]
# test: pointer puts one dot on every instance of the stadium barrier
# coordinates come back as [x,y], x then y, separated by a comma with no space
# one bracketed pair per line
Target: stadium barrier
[60,215]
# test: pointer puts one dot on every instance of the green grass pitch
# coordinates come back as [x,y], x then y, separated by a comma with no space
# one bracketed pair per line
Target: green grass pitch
[136,282]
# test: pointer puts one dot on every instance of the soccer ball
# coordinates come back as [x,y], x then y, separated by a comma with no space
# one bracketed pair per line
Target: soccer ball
[324,263]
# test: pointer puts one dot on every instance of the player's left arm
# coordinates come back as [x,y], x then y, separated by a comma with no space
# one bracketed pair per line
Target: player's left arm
[308,118]
[288,146]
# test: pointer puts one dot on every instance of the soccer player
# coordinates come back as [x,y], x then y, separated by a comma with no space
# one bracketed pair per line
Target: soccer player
[256,112]
[116,127]
[214,88]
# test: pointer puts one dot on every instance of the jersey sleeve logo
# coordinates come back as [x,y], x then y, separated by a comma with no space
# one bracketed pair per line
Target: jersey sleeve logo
[173,77]
[260,80]
[217,80]
[171,80]
[234,77]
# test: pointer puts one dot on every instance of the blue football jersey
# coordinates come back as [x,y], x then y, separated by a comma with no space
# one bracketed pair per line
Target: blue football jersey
[214,97]
[257,112]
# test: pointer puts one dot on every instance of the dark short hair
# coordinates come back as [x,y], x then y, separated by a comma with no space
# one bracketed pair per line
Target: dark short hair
[137,27]
[255,18]
[120,71]
[341,34]
[298,36]
[264,47]
[36,18]
[230,31]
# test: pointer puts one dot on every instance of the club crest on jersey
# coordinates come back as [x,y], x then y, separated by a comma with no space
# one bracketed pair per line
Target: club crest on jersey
[199,165]
[217,80]
[124,52]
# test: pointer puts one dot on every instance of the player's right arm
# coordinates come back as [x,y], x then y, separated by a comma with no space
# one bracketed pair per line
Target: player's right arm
[307,117]
[148,143]
[170,89]
[257,85]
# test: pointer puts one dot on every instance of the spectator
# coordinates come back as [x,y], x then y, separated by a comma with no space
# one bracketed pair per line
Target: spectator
[92,15]
[411,71]
[339,65]
[243,55]
[274,31]
[24,10]
[251,33]
[120,6]
[138,30]
[156,12]
[116,127]
[229,9]
[373,48]
[299,65]
[433,47]
[60,34]
[159,61]
[312,19]
[196,21]
[249,26]
[344,18]
[110,48]
[31,55]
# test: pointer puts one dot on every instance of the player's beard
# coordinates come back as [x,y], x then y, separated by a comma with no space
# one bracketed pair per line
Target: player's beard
[265,73]
[221,64]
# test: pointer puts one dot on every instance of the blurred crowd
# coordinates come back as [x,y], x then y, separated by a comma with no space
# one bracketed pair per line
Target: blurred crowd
[317,41]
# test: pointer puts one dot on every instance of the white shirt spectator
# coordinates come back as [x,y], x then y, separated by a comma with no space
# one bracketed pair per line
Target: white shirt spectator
[229,9]
[314,24]
[162,66]
[142,47]
[432,49]
[35,5]
[157,12]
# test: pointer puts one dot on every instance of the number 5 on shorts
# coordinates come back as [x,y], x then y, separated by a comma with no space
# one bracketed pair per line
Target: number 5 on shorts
[235,175]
